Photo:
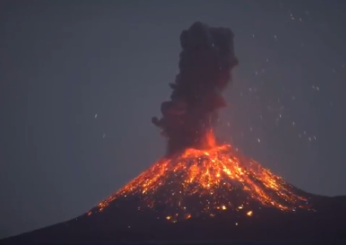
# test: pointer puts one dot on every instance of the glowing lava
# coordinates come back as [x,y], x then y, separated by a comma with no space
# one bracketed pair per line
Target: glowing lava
[208,181]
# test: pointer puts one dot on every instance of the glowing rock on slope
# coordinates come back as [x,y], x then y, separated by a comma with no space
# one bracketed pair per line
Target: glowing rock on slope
[218,176]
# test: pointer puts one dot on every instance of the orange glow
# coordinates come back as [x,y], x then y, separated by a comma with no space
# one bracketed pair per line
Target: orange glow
[210,139]
[219,176]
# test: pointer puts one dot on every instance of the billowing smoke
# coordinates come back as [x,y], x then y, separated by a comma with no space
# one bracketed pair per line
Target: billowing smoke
[205,65]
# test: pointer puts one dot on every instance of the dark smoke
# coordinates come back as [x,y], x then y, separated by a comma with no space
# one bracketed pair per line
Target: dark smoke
[205,65]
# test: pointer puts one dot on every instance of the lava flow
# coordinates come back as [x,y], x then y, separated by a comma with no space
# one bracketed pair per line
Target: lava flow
[206,182]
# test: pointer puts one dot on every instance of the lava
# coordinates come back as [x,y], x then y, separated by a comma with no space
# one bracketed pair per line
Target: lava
[208,181]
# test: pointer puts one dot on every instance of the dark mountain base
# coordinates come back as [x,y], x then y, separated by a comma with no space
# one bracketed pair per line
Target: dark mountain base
[120,223]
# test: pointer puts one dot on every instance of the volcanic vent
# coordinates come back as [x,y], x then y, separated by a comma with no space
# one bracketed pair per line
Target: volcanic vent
[199,177]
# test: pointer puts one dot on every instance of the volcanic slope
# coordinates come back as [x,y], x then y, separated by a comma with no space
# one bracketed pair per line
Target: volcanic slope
[204,194]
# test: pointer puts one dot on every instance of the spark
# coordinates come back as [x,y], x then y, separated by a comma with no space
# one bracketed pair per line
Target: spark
[315,88]
[95,115]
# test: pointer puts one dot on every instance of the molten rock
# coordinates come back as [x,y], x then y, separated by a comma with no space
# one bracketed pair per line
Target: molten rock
[206,182]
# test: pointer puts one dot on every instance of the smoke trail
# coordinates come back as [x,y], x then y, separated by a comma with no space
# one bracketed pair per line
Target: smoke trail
[205,65]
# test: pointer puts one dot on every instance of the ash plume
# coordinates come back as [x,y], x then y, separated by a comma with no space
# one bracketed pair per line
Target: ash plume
[205,65]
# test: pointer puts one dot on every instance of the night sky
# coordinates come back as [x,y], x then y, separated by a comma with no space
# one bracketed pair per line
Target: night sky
[80,81]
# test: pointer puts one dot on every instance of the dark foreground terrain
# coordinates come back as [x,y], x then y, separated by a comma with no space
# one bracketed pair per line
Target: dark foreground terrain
[121,224]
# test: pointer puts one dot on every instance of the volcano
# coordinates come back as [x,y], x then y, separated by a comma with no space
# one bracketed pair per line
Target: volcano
[202,190]
[215,194]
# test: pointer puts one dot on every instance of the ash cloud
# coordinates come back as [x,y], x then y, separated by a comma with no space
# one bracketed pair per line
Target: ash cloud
[205,65]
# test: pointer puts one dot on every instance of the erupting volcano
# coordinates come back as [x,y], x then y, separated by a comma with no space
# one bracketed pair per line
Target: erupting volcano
[196,167]
[199,182]
[202,189]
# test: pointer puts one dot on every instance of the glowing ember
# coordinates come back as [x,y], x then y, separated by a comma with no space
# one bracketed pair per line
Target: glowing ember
[215,179]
